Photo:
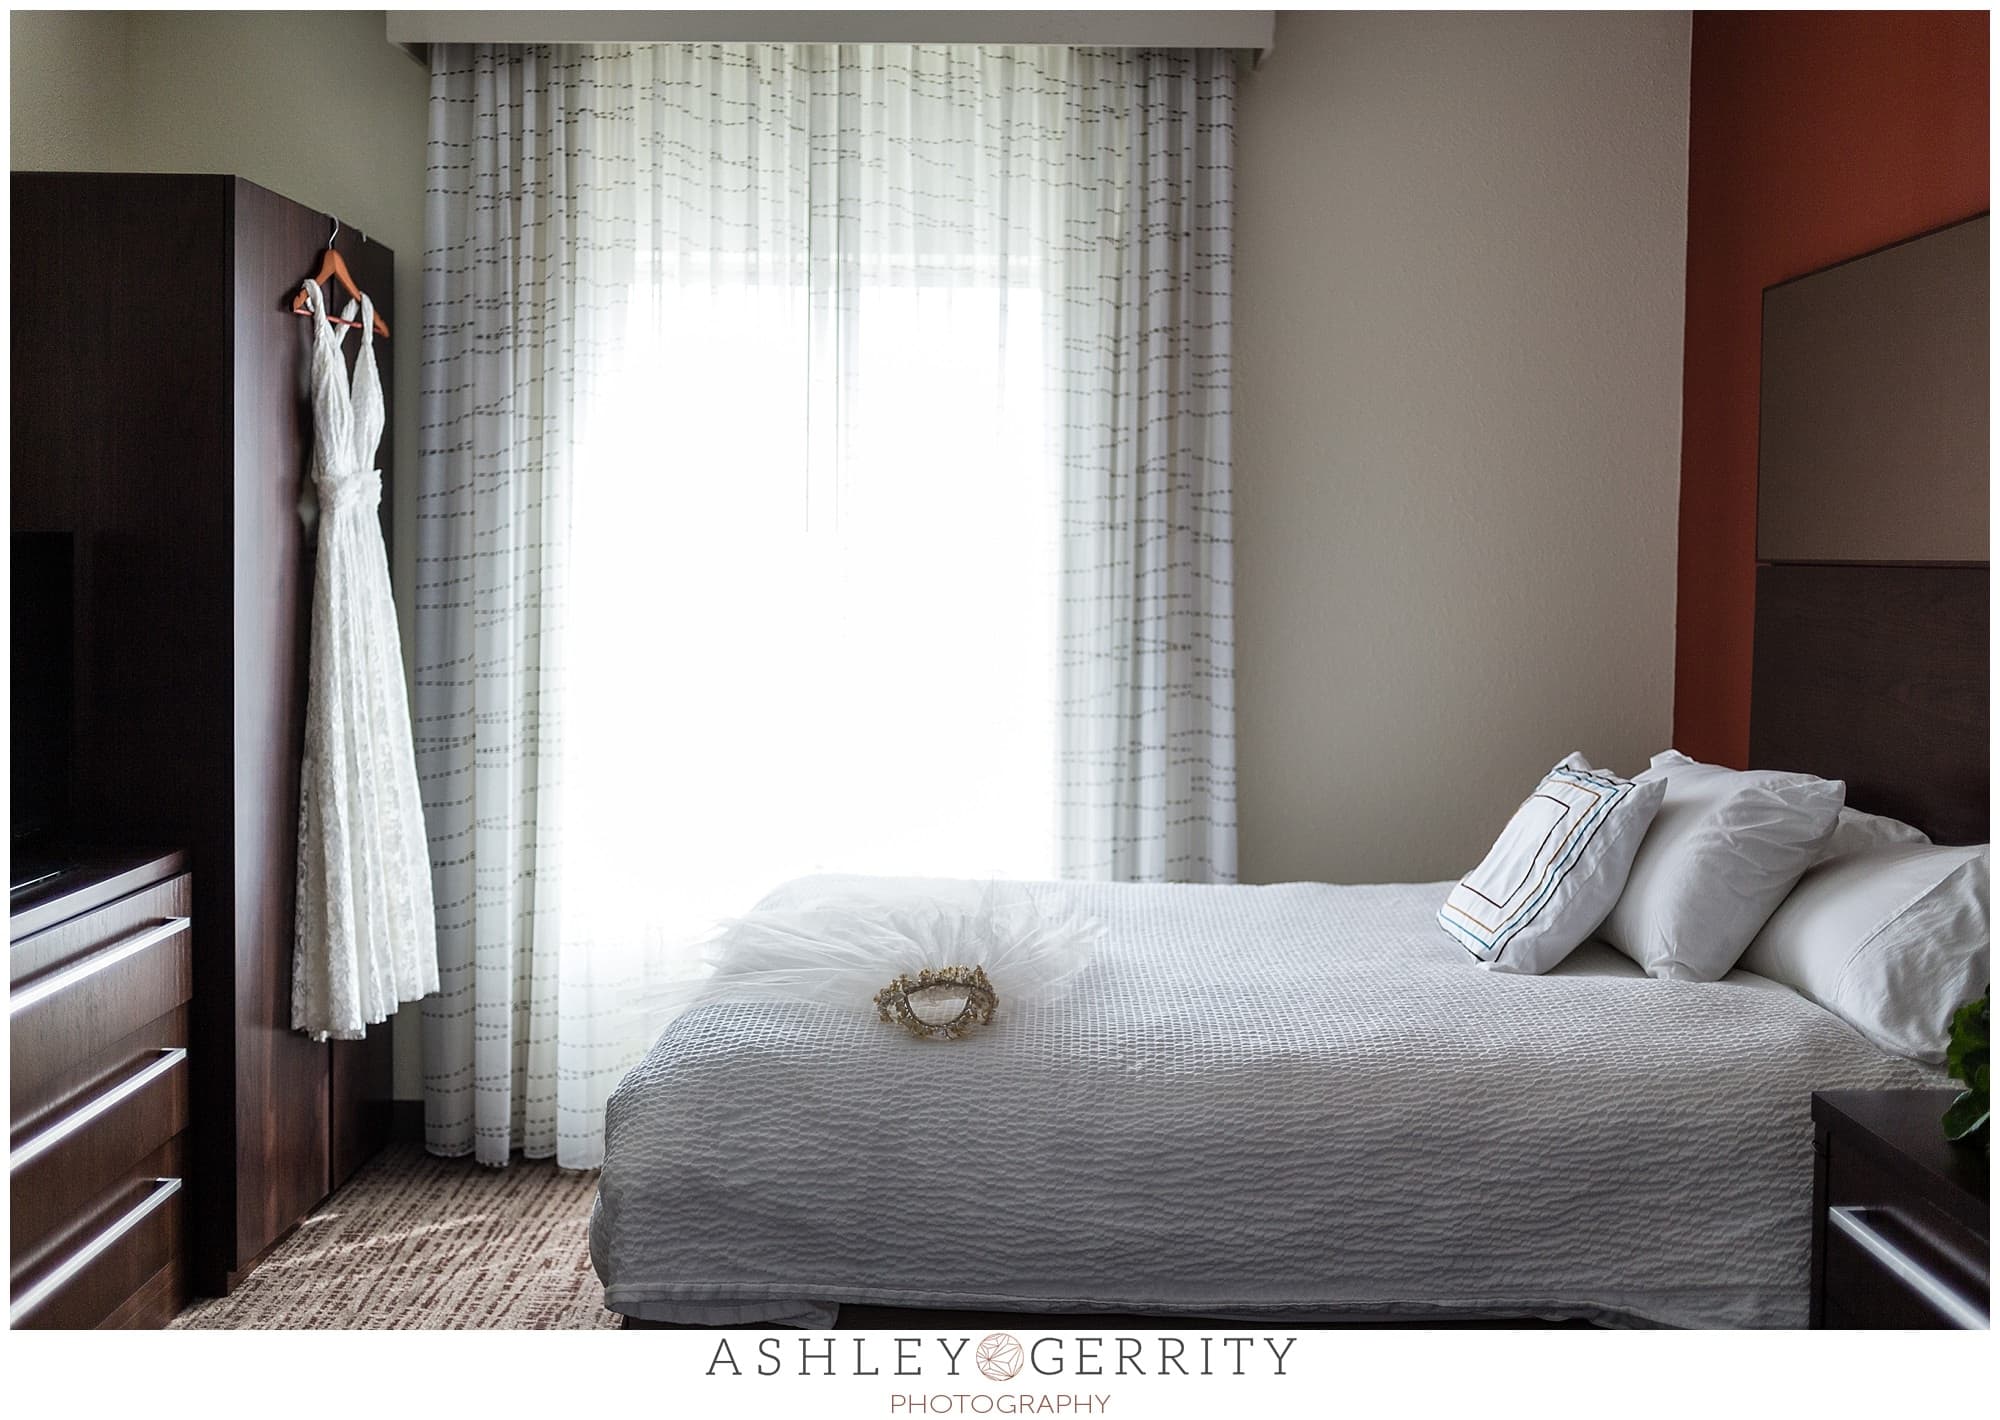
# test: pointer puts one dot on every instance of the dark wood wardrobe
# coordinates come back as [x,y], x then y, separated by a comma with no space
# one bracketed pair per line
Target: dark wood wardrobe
[160,416]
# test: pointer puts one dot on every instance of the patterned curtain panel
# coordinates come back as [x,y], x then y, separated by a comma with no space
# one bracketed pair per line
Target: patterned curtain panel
[825,467]
[1147,711]
[516,1054]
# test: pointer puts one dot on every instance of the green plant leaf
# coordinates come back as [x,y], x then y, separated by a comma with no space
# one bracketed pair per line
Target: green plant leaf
[1971,1038]
[1968,1058]
[1965,1118]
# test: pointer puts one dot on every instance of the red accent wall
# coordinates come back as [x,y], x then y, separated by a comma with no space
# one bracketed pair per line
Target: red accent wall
[1812,137]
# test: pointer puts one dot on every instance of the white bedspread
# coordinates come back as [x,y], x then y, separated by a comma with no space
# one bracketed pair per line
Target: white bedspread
[1303,1097]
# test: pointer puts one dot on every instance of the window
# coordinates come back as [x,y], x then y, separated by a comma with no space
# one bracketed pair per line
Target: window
[811,618]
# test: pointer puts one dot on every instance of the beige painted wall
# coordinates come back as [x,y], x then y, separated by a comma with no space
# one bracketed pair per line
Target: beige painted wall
[68,89]
[316,105]
[1460,267]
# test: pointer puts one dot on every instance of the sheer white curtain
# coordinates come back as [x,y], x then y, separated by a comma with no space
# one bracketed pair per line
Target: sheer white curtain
[826,469]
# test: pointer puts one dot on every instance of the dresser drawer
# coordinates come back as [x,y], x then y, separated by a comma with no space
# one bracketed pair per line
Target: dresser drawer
[1864,1188]
[53,944]
[1884,1273]
[91,1002]
[123,1242]
[87,1145]
[99,996]
[1901,1219]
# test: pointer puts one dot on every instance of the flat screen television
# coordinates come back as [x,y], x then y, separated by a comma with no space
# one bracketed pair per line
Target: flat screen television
[42,667]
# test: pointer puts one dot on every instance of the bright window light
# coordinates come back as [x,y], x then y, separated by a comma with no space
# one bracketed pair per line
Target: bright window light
[811,621]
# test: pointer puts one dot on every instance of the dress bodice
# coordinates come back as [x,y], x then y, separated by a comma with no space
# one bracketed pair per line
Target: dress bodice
[347,413]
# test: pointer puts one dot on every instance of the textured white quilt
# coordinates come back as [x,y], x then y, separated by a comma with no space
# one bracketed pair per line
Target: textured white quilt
[1305,1098]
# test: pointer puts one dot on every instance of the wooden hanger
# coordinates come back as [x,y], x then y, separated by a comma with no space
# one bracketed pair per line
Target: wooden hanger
[333,267]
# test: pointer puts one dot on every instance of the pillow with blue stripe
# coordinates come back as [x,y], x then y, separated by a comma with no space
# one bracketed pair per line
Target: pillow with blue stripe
[1557,870]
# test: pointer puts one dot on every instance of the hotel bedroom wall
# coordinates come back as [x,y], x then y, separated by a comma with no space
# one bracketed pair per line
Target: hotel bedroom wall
[1814,137]
[1459,280]
[1460,243]
[316,105]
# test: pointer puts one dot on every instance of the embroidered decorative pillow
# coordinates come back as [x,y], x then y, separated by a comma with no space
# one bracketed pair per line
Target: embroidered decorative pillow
[1556,871]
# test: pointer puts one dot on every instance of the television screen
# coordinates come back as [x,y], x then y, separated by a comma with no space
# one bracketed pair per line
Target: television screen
[42,660]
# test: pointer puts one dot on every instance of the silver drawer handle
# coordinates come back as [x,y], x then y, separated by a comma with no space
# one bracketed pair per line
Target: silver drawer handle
[103,1104]
[1963,1311]
[163,1189]
[97,961]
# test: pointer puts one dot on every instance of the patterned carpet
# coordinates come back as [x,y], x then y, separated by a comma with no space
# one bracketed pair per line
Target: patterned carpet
[416,1242]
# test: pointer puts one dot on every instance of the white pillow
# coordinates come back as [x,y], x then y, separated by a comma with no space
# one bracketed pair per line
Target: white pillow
[1724,849]
[1890,939]
[1555,871]
[1856,831]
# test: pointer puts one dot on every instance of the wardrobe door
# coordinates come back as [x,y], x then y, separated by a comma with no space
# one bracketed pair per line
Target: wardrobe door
[283,1099]
[308,1114]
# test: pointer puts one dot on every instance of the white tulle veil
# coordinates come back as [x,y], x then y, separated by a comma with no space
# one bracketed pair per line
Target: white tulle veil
[837,941]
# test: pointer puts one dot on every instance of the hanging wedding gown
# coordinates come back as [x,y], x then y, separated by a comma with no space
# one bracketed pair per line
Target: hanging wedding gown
[366,939]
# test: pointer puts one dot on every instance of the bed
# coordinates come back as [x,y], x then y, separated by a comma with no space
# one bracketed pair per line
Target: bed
[1299,1101]
[1305,1102]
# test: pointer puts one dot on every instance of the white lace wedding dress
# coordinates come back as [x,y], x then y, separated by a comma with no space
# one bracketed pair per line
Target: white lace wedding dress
[366,940]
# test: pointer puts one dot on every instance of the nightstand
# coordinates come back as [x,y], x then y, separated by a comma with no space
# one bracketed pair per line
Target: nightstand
[1900,1217]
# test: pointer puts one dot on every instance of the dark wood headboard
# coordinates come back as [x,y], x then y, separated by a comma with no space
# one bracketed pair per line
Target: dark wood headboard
[1878,676]
[1870,660]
